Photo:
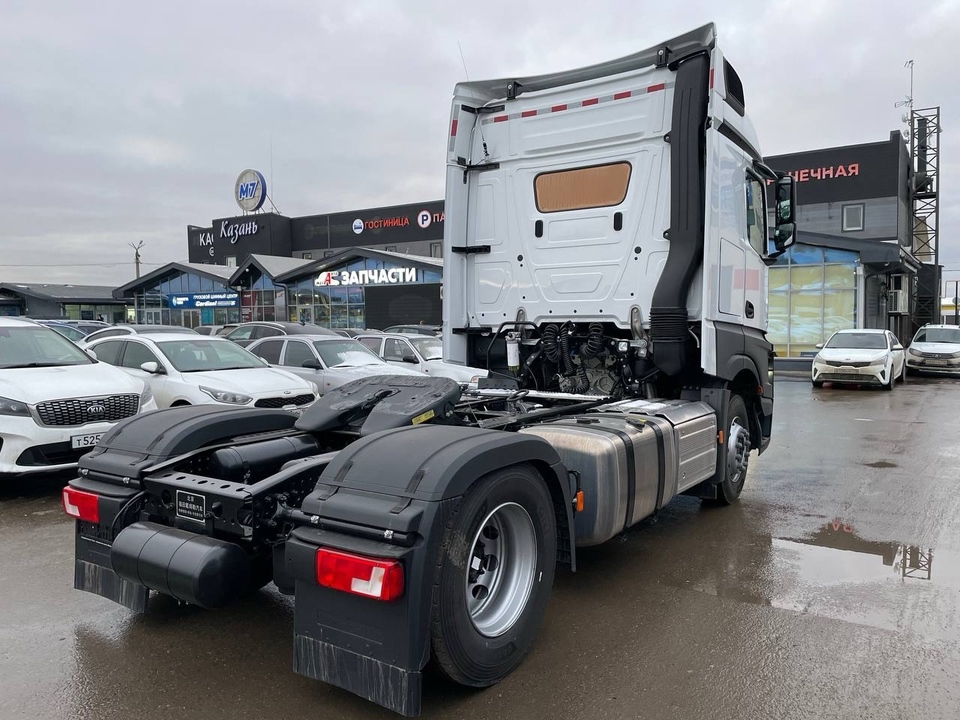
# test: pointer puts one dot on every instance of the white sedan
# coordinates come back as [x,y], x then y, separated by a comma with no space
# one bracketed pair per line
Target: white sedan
[193,370]
[860,357]
[55,400]
[935,349]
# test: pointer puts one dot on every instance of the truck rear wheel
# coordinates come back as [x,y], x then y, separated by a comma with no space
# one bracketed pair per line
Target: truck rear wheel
[493,577]
[736,452]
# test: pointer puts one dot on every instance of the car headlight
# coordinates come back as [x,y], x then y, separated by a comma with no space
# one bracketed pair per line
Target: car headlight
[146,395]
[13,407]
[913,352]
[226,396]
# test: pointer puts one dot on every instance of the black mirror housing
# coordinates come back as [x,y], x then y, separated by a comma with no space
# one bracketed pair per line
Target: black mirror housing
[313,364]
[785,212]
[410,359]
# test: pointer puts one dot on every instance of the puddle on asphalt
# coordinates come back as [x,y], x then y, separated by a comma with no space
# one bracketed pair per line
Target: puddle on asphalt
[834,573]
[881,464]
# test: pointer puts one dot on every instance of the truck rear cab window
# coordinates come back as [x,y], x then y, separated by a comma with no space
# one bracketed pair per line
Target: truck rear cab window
[734,88]
[582,188]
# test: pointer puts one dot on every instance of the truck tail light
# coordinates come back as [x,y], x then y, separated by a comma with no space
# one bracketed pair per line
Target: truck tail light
[80,505]
[368,577]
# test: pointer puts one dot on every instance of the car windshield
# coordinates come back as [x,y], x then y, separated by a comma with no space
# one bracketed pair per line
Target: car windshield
[938,335]
[36,346]
[858,341]
[71,333]
[203,354]
[345,353]
[429,348]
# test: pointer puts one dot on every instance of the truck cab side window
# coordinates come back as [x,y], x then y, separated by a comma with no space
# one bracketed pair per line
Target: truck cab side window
[756,215]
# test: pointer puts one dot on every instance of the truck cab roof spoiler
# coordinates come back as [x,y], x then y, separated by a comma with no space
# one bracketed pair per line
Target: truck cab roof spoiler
[699,40]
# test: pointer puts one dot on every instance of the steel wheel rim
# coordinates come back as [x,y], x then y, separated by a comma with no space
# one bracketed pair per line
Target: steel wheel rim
[500,569]
[738,448]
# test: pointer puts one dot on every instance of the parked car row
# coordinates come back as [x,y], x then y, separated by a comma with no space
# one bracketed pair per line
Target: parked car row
[876,357]
[59,393]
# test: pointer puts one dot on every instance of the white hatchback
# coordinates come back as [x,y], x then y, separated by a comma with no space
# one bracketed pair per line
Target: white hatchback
[194,370]
[55,400]
[935,349]
[860,357]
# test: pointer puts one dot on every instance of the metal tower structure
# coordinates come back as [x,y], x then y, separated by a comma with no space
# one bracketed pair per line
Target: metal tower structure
[925,191]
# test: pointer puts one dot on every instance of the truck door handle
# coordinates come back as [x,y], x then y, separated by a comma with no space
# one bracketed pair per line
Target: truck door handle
[748,311]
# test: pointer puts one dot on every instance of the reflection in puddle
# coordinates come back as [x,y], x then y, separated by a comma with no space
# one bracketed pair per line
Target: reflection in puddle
[834,573]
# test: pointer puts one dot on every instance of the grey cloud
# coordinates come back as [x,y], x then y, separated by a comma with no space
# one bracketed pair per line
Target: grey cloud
[128,123]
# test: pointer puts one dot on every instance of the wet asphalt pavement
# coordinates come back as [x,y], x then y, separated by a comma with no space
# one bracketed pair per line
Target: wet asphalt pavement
[832,590]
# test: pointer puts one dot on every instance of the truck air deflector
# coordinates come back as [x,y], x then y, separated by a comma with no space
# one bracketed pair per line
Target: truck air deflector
[668,312]
[701,39]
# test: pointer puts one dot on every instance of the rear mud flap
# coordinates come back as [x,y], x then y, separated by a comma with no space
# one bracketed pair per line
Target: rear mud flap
[387,685]
[93,573]
[104,582]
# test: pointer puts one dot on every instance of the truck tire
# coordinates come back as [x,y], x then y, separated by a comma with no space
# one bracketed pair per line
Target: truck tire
[736,452]
[493,577]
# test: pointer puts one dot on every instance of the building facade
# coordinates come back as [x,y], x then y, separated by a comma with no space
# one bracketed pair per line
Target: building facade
[853,264]
[184,294]
[45,301]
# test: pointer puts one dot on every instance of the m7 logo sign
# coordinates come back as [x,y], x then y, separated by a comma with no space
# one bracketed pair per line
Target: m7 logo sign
[250,190]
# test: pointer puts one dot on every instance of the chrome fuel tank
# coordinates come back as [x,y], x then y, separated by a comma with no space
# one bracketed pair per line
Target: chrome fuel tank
[632,463]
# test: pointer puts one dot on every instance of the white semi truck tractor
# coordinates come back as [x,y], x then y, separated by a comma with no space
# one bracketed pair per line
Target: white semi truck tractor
[605,258]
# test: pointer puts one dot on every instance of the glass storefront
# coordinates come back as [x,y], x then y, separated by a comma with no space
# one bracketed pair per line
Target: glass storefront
[337,299]
[109,313]
[178,299]
[262,299]
[813,293]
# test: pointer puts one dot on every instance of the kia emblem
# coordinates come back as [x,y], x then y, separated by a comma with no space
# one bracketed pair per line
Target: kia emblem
[96,409]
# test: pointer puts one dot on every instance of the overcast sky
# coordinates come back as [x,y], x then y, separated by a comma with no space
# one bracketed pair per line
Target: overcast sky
[122,122]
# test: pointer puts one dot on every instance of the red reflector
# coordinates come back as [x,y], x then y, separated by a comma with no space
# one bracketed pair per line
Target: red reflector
[453,129]
[558,108]
[377,579]
[654,88]
[621,95]
[528,113]
[80,505]
[591,101]
[500,118]
[711,78]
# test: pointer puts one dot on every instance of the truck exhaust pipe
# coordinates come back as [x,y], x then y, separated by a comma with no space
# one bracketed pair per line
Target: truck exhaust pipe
[668,312]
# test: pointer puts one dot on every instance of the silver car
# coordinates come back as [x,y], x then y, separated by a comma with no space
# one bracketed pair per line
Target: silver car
[420,352]
[328,361]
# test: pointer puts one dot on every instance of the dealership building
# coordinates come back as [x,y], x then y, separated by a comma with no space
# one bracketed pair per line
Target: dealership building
[367,268]
[854,264]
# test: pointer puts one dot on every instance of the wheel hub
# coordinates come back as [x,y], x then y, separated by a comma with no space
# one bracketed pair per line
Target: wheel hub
[500,570]
[738,450]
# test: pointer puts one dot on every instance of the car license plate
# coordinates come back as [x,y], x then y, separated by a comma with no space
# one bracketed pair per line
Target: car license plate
[937,362]
[85,441]
[294,409]
[191,506]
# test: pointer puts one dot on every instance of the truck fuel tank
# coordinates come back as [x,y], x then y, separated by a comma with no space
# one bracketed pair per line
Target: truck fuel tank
[632,463]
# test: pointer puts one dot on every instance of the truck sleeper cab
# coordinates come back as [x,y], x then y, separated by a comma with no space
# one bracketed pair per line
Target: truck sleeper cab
[608,271]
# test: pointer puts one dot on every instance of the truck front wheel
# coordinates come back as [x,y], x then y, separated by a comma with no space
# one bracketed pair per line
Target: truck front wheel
[493,577]
[736,452]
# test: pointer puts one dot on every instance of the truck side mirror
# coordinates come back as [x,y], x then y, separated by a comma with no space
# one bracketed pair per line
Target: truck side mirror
[785,213]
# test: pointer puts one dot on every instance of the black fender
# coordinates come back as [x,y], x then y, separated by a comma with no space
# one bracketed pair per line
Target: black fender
[403,484]
[137,443]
